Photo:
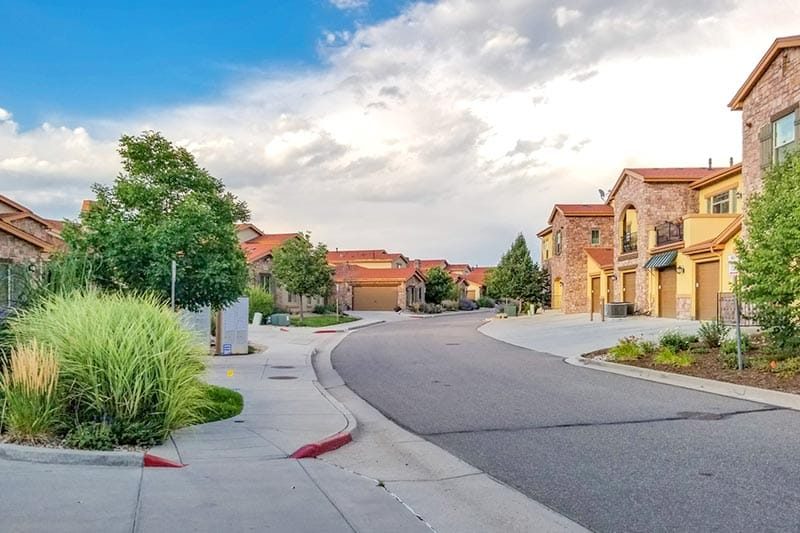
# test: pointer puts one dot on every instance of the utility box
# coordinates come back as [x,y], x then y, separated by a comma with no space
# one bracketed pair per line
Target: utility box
[279,319]
[232,328]
[616,309]
[510,309]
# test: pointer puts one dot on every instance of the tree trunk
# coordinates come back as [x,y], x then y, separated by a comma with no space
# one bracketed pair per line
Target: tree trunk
[301,308]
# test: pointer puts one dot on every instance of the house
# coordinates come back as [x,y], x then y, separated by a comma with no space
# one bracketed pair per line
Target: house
[378,289]
[367,258]
[769,100]
[572,228]
[476,282]
[26,240]
[258,250]
[424,265]
[648,207]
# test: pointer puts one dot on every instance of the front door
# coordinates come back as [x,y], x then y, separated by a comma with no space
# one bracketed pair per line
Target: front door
[667,292]
[629,287]
[596,295]
[706,289]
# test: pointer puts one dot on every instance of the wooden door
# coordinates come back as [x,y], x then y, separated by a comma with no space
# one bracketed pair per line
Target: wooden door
[667,292]
[629,287]
[557,290]
[706,290]
[596,295]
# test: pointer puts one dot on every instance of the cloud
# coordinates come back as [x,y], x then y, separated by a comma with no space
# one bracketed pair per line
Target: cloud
[564,15]
[445,130]
[348,4]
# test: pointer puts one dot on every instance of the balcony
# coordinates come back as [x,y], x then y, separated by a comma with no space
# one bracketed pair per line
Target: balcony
[629,242]
[668,232]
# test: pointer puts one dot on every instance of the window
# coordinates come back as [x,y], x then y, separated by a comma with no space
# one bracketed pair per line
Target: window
[595,239]
[558,242]
[783,133]
[724,202]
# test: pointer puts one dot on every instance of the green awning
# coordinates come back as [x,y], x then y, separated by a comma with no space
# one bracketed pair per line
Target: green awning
[662,260]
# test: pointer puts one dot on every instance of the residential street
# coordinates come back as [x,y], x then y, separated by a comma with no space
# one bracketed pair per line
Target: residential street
[610,452]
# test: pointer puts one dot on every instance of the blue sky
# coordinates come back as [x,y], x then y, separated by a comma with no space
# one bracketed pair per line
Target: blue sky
[92,58]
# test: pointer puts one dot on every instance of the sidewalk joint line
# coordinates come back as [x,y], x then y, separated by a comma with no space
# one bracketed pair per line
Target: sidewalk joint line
[137,507]
[327,497]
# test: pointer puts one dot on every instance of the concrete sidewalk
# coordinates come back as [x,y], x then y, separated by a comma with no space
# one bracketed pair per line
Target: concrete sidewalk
[239,475]
[572,335]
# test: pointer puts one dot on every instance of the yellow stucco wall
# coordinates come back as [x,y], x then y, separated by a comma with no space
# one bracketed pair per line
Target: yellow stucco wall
[474,289]
[547,247]
[593,270]
[702,227]
[734,182]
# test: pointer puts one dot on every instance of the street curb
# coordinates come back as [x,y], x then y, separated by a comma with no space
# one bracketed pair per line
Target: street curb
[362,326]
[31,454]
[721,388]
[310,451]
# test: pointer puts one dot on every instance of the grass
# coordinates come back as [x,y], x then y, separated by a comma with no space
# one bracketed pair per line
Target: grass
[321,321]
[628,349]
[221,403]
[668,357]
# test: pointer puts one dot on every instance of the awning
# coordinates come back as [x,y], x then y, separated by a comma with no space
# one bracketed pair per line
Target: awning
[662,260]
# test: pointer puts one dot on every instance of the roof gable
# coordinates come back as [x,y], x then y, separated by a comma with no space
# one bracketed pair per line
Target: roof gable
[602,256]
[716,178]
[782,43]
[581,210]
[661,175]
[264,245]
[25,236]
[352,273]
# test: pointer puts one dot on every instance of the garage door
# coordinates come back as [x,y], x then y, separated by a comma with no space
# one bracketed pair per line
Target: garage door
[629,287]
[706,288]
[374,298]
[596,295]
[667,292]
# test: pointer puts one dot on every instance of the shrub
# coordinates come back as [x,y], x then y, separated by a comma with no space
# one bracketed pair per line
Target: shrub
[432,309]
[449,305]
[713,333]
[627,349]
[90,436]
[29,387]
[261,301]
[124,360]
[669,357]
[485,301]
[648,347]
[729,346]
[787,367]
[676,340]
[465,304]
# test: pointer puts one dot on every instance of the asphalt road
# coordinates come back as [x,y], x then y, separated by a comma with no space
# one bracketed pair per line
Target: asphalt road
[610,452]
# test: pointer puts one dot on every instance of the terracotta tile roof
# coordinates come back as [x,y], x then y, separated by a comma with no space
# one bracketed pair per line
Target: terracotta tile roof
[478,275]
[344,256]
[355,274]
[459,266]
[263,245]
[780,44]
[717,243]
[662,175]
[427,264]
[602,256]
[717,177]
[545,231]
[582,210]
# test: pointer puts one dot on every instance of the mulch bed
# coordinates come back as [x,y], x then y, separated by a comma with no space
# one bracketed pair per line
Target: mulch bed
[709,366]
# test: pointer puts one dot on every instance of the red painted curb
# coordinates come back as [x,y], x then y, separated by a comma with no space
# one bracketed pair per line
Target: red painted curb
[284,329]
[154,461]
[326,331]
[318,448]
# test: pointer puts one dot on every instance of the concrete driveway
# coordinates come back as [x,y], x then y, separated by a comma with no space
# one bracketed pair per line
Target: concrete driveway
[570,335]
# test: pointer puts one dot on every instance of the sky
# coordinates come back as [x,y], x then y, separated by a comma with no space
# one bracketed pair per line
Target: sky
[435,129]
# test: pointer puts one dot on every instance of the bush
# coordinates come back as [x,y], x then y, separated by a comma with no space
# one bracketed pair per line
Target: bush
[261,301]
[431,309]
[729,346]
[627,349]
[485,301]
[90,436]
[713,333]
[124,360]
[648,347]
[449,305]
[669,357]
[29,388]
[676,340]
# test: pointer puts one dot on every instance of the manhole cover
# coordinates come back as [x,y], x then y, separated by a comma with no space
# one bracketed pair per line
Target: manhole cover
[699,415]
[282,367]
[238,421]
[282,377]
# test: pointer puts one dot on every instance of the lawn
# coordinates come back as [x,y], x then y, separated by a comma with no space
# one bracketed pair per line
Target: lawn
[222,403]
[321,321]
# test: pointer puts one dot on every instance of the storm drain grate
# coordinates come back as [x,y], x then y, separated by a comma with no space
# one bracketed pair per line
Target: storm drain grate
[282,377]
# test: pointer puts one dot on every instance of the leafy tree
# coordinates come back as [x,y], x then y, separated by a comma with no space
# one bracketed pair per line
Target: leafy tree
[302,268]
[439,285]
[517,277]
[769,260]
[163,207]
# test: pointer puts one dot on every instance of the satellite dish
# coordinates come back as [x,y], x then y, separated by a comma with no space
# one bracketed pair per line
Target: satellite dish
[602,194]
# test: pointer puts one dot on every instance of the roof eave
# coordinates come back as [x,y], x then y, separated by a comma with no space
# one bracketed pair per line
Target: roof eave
[779,44]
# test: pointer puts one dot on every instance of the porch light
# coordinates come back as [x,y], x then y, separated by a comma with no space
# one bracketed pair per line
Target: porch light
[680,270]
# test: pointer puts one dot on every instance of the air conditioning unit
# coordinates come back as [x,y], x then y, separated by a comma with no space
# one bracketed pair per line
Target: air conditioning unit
[616,310]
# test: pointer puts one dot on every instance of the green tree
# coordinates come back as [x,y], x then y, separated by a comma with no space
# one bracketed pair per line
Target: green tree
[163,207]
[769,259]
[438,285]
[302,268]
[517,277]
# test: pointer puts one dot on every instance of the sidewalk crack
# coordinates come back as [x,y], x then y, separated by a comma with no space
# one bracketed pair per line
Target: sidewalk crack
[327,497]
[137,507]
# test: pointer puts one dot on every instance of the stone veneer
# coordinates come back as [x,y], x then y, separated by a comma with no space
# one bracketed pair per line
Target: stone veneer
[683,307]
[777,90]
[570,265]
[655,203]
[16,250]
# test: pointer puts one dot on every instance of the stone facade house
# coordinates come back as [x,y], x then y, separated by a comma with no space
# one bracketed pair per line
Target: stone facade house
[642,200]
[769,101]
[572,229]
[378,289]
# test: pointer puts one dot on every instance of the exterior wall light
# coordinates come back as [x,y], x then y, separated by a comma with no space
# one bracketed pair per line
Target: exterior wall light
[680,270]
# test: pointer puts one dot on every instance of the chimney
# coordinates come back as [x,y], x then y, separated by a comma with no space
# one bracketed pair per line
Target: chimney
[709,164]
[417,264]
[731,162]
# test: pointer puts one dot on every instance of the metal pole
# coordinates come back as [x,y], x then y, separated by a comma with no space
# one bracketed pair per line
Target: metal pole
[739,358]
[172,288]
[602,309]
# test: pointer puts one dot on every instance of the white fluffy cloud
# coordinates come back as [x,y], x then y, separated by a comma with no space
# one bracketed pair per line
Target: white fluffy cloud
[445,131]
